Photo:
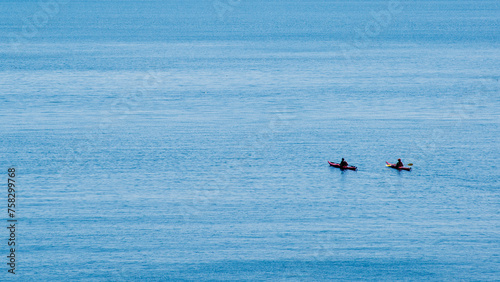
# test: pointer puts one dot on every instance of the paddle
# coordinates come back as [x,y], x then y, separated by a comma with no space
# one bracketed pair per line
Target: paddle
[410,164]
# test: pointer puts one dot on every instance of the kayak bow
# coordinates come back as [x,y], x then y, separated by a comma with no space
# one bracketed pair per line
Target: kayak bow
[398,168]
[342,167]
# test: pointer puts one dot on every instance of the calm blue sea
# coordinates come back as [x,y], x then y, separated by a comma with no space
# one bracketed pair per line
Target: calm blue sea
[189,140]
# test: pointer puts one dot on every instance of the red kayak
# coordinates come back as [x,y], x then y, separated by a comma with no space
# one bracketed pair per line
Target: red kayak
[342,167]
[398,168]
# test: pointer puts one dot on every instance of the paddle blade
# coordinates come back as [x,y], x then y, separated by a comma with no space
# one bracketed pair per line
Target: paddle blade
[410,164]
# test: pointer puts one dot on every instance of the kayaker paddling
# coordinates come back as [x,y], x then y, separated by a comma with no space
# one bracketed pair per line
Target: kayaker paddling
[398,166]
[342,166]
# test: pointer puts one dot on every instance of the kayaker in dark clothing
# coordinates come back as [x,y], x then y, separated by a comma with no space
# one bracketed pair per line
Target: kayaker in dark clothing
[399,164]
[343,163]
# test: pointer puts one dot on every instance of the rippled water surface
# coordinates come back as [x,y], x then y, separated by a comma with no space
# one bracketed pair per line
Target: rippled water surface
[164,140]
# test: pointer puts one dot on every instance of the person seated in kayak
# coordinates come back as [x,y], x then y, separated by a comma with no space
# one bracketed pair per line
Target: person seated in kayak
[343,163]
[399,164]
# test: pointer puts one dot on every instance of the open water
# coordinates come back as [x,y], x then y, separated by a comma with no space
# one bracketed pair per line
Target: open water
[188,140]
